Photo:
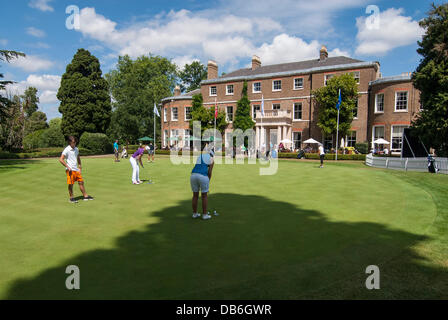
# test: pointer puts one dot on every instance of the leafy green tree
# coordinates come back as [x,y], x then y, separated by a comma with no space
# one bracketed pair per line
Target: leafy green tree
[37,121]
[243,119]
[6,55]
[84,95]
[53,137]
[206,116]
[11,128]
[431,78]
[327,97]
[192,75]
[135,86]
[30,100]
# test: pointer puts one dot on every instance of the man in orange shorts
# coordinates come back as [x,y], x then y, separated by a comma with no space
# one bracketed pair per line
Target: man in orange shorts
[70,160]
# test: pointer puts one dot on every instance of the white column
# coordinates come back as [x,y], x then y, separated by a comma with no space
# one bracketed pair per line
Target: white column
[289,135]
[279,134]
[257,136]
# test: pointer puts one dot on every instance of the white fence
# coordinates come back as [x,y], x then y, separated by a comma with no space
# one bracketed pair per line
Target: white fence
[411,164]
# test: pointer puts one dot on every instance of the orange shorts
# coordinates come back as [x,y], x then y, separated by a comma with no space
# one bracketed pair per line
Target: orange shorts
[73,177]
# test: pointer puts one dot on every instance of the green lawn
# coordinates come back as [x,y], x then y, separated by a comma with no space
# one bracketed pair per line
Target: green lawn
[302,233]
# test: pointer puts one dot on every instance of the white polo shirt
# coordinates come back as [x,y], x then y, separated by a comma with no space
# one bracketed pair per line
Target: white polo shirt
[71,157]
[321,150]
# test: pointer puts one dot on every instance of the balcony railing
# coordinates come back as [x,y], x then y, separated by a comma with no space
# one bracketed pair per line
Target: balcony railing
[275,114]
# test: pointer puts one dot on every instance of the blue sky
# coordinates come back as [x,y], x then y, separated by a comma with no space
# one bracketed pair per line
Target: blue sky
[229,32]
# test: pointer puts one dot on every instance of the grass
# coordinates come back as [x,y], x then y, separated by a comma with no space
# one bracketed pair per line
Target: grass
[302,233]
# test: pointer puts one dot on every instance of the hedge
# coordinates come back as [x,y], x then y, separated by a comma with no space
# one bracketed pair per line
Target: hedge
[41,153]
[96,142]
[328,156]
[362,147]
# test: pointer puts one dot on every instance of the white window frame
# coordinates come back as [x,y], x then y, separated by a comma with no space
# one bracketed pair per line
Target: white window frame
[357,109]
[227,89]
[294,141]
[294,111]
[227,114]
[273,86]
[210,91]
[350,136]
[373,133]
[407,101]
[294,84]
[376,102]
[359,76]
[253,87]
[331,75]
[172,114]
[392,136]
[187,142]
[276,104]
[165,114]
[185,113]
[254,112]
[166,136]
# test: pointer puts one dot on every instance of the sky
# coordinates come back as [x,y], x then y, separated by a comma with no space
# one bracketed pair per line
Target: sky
[229,32]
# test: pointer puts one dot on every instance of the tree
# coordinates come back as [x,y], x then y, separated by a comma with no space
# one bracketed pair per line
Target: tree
[135,86]
[206,116]
[84,95]
[53,137]
[192,75]
[431,78]
[30,100]
[37,121]
[7,56]
[11,128]
[327,97]
[243,119]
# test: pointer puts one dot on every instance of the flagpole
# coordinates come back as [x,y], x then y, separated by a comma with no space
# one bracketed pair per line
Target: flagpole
[337,127]
[214,131]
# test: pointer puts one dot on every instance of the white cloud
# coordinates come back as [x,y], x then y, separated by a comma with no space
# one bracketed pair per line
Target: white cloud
[181,61]
[32,63]
[35,32]
[47,86]
[395,30]
[41,5]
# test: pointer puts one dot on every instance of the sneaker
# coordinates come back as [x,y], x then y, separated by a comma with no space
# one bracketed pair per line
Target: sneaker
[196,215]
[206,216]
[73,200]
[88,198]
[215,213]
[140,181]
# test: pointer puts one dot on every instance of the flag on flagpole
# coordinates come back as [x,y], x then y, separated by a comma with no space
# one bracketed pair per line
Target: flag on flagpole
[339,100]
[156,111]
[216,109]
[262,105]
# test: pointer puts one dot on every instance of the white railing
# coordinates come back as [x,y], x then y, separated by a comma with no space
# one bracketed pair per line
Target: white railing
[275,114]
[407,164]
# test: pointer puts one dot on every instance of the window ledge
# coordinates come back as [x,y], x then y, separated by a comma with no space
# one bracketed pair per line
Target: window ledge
[379,112]
[298,89]
[401,111]
[300,120]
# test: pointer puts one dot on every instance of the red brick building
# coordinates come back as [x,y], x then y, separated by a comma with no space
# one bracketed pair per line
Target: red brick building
[290,112]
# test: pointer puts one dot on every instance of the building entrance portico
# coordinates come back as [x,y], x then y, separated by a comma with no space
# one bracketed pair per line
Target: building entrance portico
[273,127]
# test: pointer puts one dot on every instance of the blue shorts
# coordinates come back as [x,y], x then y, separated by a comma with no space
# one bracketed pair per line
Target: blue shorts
[199,182]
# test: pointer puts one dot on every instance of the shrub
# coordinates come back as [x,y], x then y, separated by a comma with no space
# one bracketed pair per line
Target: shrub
[53,137]
[34,140]
[362,147]
[95,142]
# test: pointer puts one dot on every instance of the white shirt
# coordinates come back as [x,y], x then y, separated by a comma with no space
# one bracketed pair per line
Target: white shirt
[321,150]
[71,157]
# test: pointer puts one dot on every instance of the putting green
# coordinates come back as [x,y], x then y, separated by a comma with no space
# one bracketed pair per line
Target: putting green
[303,232]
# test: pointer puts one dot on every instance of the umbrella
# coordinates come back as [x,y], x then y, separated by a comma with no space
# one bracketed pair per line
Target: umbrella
[381,141]
[146,139]
[192,138]
[285,141]
[311,140]
[211,139]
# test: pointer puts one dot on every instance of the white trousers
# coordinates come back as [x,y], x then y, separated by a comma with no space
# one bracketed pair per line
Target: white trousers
[135,170]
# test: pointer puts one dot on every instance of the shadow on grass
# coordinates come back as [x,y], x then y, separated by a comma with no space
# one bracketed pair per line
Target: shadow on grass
[13,164]
[257,248]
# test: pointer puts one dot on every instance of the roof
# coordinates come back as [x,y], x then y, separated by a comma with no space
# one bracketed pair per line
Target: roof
[400,78]
[186,96]
[274,68]
[293,68]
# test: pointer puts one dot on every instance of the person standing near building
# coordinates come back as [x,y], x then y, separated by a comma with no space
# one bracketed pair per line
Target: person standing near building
[116,151]
[151,152]
[135,160]
[72,162]
[321,155]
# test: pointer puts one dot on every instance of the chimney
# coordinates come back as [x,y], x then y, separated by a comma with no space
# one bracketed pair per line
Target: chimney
[177,91]
[212,70]
[323,53]
[256,62]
